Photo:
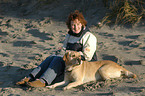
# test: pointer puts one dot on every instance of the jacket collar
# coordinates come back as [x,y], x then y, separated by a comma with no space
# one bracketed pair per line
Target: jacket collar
[83,31]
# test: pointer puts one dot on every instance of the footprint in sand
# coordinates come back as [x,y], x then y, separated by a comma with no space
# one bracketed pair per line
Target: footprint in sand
[125,43]
[106,34]
[41,35]
[23,43]
[36,57]
[133,44]
[28,26]
[1,63]
[110,57]
[132,36]
[143,48]
[4,66]
[2,37]
[46,21]
[137,89]
[3,33]
[132,63]
[28,66]
[4,55]
[6,23]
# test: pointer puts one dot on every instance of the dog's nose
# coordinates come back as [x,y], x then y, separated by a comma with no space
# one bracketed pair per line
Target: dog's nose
[67,71]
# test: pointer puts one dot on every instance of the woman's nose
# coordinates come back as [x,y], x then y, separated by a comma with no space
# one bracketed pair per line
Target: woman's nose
[75,27]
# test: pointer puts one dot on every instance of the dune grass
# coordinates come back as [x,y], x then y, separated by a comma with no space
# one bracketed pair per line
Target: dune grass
[123,12]
[120,12]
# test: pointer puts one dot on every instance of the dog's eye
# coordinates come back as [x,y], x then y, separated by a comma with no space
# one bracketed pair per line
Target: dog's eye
[73,55]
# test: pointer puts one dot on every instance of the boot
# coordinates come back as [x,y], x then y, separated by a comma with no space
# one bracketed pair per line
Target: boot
[23,81]
[36,83]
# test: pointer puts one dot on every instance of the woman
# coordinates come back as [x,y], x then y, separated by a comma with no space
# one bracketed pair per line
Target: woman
[78,38]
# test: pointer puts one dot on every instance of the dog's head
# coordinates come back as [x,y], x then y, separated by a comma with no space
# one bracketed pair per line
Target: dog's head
[72,59]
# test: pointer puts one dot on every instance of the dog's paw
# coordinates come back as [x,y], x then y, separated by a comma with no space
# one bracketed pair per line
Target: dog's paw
[50,87]
[65,88]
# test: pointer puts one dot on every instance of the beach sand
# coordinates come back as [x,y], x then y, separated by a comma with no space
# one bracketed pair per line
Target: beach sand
[29,33]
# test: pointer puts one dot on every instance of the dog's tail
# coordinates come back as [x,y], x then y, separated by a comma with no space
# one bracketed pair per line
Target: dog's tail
[128,73]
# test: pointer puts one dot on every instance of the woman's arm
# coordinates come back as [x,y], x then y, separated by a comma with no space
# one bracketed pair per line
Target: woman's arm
[89,42]
[65,41]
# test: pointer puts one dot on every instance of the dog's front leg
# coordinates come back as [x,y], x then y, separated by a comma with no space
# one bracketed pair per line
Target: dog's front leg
[63,83]
[74,84]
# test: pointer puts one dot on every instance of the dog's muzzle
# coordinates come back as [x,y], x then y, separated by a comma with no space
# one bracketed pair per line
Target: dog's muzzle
[66,71]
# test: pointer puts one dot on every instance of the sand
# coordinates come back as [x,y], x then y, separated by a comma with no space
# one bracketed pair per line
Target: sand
[29,34]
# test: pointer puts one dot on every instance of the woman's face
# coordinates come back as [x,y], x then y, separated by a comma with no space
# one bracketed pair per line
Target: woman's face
[76,26]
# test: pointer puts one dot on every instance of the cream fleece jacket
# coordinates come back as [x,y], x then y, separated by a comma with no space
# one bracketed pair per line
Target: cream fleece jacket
[89,42]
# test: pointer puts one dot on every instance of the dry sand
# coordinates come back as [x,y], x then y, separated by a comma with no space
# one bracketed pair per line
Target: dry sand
[28,37]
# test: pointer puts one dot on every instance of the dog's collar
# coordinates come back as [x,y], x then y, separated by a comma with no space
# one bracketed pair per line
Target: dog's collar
[81,62]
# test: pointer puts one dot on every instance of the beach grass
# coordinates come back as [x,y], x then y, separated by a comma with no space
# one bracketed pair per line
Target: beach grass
[123,12]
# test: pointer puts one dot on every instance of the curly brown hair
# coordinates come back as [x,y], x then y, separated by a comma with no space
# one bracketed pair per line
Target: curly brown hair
[74,16]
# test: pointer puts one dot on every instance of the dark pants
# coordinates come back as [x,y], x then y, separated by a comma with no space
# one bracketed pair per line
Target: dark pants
[50,69]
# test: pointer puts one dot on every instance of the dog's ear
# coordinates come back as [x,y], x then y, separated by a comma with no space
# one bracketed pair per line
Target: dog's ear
[65,56]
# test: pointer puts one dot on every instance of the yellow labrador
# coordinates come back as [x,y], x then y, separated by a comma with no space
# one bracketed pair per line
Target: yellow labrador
[78,72]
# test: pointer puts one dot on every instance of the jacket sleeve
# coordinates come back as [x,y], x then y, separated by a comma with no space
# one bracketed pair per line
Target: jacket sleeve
[89,42]
[65,41]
